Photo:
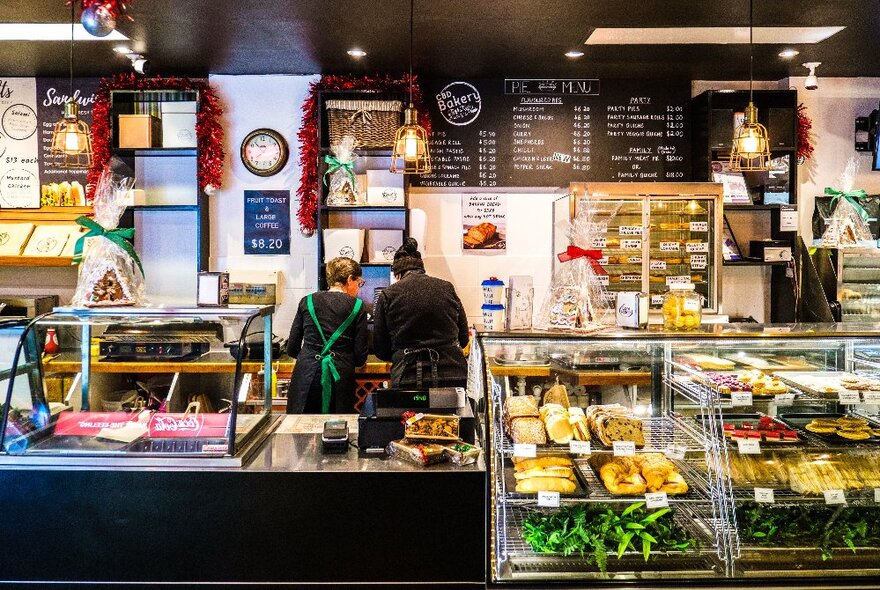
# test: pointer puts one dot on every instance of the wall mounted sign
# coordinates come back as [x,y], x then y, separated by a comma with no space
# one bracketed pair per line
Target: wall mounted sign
[484,222]
[19,162]
[267,222]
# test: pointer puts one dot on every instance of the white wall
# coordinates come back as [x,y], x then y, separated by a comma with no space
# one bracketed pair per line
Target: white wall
[251,102]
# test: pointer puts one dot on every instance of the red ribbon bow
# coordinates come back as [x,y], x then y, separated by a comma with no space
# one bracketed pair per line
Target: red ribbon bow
[592,256]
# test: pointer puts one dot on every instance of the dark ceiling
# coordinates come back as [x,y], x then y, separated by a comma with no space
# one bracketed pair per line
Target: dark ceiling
[466,38]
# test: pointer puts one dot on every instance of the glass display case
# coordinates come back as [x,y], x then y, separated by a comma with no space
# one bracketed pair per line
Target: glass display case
[138,386]
[652,235]
[858,284]
[735,452]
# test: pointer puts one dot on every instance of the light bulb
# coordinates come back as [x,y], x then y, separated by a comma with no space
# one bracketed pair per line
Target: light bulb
[410,145]
[71,142]
[749,144]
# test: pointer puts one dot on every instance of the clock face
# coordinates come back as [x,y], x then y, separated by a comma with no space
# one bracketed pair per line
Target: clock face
[264,152]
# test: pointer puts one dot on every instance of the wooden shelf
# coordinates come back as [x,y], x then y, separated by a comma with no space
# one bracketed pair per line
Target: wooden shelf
[744,207]
[45,214]
[754,263]
[359,208]
[518,370]
[595,377]
[59,261]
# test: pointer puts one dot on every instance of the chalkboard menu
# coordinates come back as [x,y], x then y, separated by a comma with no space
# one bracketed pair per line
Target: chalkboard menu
[545,132]
[52,93]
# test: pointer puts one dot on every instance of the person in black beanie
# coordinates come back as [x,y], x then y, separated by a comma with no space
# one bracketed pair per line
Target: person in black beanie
[420,326]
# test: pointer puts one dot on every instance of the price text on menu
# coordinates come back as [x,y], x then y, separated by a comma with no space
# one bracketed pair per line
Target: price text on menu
[549,132]
[267,222]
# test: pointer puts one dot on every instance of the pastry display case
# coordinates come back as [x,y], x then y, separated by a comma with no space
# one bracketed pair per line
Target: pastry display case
[652,235]
[140,386]
[858,284]
[739,451]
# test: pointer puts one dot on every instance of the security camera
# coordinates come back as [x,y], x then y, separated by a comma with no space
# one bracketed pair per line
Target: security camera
[142,66]
[812,82]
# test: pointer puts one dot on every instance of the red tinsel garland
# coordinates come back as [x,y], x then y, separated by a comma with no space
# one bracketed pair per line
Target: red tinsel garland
[209,131]
[116,8]
[804,124]
[309,151]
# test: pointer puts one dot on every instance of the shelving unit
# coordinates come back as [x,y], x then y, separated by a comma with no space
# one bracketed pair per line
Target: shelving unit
[42,216]
[376,274]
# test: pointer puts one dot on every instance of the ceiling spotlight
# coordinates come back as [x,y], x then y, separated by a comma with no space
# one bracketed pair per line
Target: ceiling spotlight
[122,49]
[788,53]
[574,53]
[812,82]
[356,52]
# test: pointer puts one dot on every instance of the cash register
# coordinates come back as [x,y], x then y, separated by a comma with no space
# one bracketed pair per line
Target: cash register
[381,422]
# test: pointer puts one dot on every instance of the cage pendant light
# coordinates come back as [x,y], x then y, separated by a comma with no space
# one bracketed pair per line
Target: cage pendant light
[71,138]
[751,146]
[411,154]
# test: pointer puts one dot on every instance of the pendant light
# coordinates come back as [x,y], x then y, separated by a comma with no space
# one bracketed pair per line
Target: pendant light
[411,155]
[751,147]
[71,137]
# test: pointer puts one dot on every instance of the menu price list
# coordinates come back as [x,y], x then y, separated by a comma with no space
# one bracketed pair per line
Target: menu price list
[551,132]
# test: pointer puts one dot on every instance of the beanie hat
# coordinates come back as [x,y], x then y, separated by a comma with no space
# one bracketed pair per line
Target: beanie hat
[407,258]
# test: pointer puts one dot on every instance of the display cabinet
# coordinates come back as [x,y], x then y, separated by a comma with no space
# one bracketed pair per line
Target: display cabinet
[858,284]
[773,429]
[146,387]
[652,235]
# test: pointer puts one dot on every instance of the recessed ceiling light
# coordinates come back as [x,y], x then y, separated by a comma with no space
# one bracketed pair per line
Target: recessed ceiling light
[709,35]
[788,53]
[356,52]
[51,32]
[574,53]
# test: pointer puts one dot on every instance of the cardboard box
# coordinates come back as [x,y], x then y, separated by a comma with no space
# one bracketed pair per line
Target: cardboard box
[382,244]
[13,237]
[179,130]
[139,131]
[179,106]
[343,242]
[385,189]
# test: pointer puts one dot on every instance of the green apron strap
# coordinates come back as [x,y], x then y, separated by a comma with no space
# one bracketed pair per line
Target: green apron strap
[329,373]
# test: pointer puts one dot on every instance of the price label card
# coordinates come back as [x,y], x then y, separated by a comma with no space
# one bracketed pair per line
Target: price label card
[691,306]
[630,230]
[634,260]
[603,261]
[748,446]
[699,261]
[741,398]
[599,242]
[656,500]
[631,278]
[764,495]
[697,247]
[579,447]
[670,246]
[658,265]
[624,448]
[524,450]
[784,399]
[849,397]
[834,497]
[630,244]
[603,280]
[656,299]
[548,499]
[675,452]
[699,226]
[872,397]
[677,281]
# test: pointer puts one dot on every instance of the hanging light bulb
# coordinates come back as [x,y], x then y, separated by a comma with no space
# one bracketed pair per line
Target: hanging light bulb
[751,146]
[411,154]
[71,137]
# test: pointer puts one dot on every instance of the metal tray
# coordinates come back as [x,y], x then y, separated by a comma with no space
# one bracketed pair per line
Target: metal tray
[797,379]
[799,422]
[738,419]
[522,361]
[754,395]
[580,490]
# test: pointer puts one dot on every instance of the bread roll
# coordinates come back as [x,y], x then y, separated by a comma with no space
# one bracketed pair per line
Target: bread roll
[557,424]
[578,421]
[556,471]
[540,462]
[545,484]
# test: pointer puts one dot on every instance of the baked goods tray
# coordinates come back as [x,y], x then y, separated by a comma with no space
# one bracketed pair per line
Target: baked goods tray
[825,384]
[736,375]
[698,485]
[660,433]
[753,418]
[522,361]
[799,422]
[580,490]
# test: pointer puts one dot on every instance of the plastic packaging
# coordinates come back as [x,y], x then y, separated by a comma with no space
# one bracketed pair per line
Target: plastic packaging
[432,427]
[848,226]
[461,453]
[108,275]
[343,186]
[415,452]
[682,308]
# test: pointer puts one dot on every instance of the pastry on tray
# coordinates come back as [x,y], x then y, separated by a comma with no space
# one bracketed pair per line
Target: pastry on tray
[480,234]
[544,474]
[645,472]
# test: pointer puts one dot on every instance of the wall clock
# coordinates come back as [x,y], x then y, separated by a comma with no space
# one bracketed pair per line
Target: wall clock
[264,152]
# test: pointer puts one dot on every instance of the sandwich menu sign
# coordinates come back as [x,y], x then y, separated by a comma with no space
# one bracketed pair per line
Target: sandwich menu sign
[549,132]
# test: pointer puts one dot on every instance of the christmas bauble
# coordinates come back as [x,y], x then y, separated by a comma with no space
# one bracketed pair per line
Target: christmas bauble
[98,21]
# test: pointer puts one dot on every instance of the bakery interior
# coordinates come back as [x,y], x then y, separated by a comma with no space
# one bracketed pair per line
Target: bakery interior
[674,366]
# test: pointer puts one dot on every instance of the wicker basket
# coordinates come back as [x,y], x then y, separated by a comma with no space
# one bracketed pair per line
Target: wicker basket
[373,123]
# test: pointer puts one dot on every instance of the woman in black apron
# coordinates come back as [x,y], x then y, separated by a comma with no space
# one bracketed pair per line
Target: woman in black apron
[329,339]
[419,325]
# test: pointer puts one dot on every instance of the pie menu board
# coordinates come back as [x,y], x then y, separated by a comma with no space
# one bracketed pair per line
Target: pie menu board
[549,132]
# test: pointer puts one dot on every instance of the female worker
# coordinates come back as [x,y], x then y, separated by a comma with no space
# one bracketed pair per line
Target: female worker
[420,326]
[329,339]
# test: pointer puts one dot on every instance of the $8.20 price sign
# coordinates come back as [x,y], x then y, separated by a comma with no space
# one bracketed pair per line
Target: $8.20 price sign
[267,222]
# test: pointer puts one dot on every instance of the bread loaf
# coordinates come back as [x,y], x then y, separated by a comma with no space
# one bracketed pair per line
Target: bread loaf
[540,462]
[621,428]
[527,430]
[555,471]
[556,422]
[578,420]
[533,485]
[557,395]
